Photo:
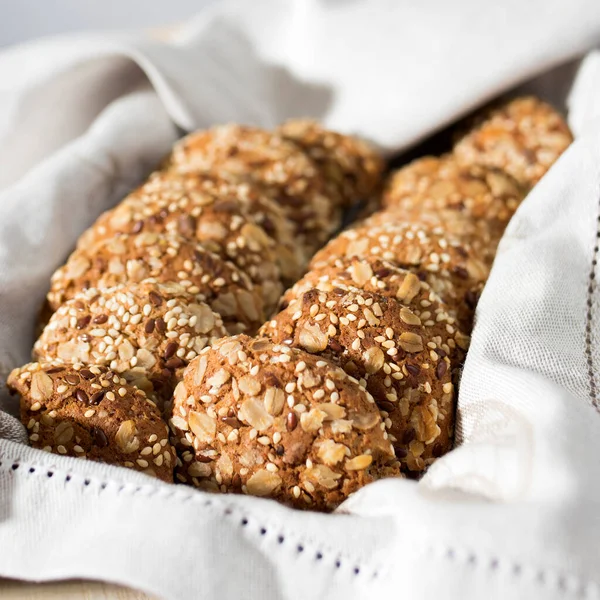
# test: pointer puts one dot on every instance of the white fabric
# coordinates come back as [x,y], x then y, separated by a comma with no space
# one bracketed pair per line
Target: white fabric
[512,511]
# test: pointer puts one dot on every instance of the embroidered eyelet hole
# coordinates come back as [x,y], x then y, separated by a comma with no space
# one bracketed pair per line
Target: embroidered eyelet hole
[68,478]
[280,539]
[263,531]
[356,571]
[244,522]
[319,556]
[338,564]
[31,469]
[300,548]
[49,473]
[86,482]
[14,466]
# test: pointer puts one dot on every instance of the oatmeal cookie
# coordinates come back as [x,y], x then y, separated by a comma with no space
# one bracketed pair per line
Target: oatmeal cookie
[147,332]
[272,421]
[285,173]
[92,412]
[465,198]
[351,167]
[523,137]
[191,205]
[452,268]
[401,354]
[168,258]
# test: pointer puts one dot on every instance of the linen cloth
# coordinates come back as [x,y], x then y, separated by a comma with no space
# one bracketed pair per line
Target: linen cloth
[512,512]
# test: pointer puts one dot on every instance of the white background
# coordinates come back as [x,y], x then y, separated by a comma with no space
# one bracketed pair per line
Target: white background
[22,20]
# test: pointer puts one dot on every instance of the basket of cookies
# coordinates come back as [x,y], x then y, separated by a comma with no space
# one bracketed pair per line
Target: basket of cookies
[269,346]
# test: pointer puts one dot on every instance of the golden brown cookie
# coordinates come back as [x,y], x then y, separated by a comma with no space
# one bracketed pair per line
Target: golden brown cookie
[452,268]
[92,412]
[402,354]
[147,332]
[462,197]
[376,276]
[350,166]
[481,236]
[168,258]
[272,421]
[523,137]
[279,167]
[232,218]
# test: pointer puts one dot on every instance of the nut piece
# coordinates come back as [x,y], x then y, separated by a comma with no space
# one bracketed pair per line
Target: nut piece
[248,385]
[411,342]
[360,272]
[274,401]
[409,317]
[331,453]
[254,413]
[263,483]
[219,378]
[126,437]
[63,433]
[312,420]
[409,289]
[145,359]
[359,462]
[364,422]
[203,426]
[199,469]
[312,339]
[374,359]
[322,475]
[41,386]
[333,411]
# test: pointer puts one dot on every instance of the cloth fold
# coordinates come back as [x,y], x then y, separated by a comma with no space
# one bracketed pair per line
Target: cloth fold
[512,511]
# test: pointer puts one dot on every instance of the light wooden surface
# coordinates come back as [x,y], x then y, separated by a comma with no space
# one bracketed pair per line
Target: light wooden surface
[67,590]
